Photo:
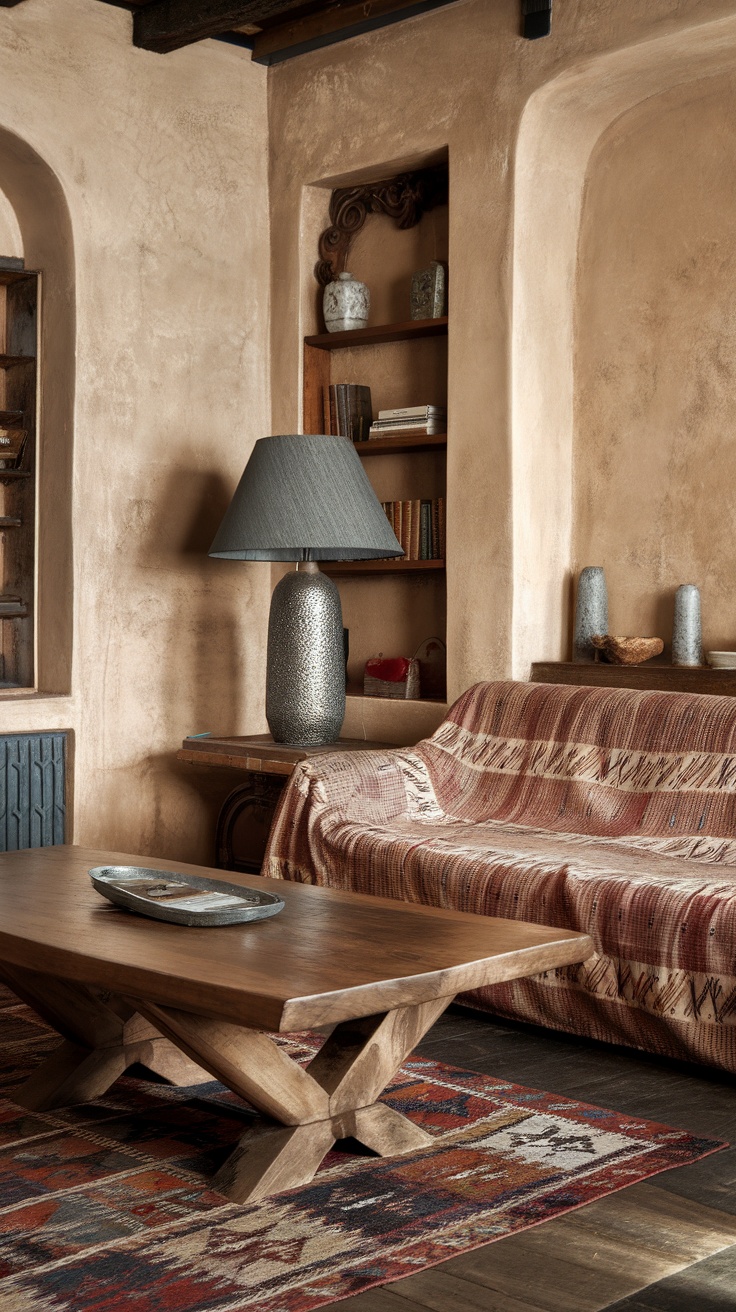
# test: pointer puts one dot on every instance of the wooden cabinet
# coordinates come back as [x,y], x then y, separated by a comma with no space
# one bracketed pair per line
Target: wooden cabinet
[18,380]
[390,607]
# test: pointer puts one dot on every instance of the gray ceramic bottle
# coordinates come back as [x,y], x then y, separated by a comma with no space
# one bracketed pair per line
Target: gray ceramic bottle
[687,634]
[591,612]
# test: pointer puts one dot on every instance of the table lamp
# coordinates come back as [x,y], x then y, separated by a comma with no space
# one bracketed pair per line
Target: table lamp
[306,498]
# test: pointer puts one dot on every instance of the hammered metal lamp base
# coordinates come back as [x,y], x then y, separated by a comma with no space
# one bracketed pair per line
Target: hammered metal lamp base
[305,673]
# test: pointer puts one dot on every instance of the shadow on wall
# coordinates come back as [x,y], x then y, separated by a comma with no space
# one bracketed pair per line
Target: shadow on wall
[203,652]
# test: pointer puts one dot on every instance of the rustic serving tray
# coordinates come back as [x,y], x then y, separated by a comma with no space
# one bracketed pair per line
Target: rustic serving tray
[182,899]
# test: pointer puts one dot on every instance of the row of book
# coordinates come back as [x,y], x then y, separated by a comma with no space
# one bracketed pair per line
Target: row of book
[419,526]
[409,421]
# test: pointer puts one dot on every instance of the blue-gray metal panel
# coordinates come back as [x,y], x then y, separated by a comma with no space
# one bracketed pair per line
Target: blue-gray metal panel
[32,790]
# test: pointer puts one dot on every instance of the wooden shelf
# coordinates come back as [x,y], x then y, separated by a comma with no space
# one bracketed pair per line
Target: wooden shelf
[10,521]
[396,566]
[10,276]
[388,446]
[10,475]
[647,677]
[10,361]
[386,332]
[356,690]
[20,614]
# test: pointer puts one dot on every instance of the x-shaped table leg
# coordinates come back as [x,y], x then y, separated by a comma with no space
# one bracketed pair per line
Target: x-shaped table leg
[103,1036]
[332,1098]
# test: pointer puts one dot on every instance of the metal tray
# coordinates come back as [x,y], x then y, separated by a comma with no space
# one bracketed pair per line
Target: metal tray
[154,893]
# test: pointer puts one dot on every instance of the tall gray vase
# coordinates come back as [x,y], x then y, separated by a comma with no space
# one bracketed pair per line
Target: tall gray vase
[591,612]
[687,635]
[305,666]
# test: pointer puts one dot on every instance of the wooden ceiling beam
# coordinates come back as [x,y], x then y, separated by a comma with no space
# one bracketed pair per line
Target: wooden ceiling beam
[295,36]
[167,25]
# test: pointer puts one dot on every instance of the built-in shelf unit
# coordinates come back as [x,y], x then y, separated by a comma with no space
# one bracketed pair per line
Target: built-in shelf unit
[390,607]
[18,385]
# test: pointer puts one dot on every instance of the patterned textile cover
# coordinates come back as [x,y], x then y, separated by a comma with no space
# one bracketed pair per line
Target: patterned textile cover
[603,810]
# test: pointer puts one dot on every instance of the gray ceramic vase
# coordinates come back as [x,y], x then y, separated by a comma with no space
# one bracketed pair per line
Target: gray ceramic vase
[345,304]
[591,612]
[687,636]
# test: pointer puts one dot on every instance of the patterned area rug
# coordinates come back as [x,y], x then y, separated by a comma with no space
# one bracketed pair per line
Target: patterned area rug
[106,1207]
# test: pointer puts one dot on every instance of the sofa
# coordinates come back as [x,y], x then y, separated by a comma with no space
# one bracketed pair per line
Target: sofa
[609,811]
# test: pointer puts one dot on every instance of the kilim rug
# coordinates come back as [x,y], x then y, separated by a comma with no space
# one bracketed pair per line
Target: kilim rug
[106,1207]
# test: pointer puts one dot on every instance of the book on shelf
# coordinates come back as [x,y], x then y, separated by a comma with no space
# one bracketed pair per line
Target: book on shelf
[419,527]
[404,431]
[349,410]
[412,412]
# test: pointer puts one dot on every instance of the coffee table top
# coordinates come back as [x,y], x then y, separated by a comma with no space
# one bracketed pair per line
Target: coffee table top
[328,956]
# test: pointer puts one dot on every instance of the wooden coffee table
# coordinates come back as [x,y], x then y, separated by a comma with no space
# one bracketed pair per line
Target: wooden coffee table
[120,989]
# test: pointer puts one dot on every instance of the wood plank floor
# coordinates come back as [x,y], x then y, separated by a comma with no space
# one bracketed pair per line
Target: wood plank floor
[667,1245]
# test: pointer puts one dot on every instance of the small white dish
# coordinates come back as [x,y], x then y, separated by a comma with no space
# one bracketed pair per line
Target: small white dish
[721,660]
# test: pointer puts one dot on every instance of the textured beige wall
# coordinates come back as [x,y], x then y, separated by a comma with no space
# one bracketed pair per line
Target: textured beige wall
[520,121]
[163,166]
[655,450]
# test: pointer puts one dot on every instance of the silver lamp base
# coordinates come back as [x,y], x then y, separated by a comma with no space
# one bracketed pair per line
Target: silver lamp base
[305,670]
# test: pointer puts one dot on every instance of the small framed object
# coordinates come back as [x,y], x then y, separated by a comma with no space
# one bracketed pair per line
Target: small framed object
[428,299]
[183,899]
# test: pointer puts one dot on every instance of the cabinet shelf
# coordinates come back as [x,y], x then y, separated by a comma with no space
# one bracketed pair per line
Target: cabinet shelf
[385,332]
[10,521]
[356,690]
[396,566]
[10,475]
[388,446]
[10,361]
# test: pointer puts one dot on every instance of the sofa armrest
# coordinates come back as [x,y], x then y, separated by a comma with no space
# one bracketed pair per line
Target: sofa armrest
[369,787]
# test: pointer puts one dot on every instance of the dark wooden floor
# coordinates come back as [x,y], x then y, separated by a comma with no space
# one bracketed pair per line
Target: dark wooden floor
[668,1245]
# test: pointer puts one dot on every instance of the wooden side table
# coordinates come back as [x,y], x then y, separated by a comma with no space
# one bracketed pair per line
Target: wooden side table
[245,817]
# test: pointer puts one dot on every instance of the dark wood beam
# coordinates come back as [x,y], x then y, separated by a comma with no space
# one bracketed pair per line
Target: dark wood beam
[342,20]
[170,24]
[536,18]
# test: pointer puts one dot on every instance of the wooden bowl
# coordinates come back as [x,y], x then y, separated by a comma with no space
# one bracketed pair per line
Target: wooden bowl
[627,651]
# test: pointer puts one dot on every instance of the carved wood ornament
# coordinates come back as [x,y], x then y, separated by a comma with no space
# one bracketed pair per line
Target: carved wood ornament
[404,198]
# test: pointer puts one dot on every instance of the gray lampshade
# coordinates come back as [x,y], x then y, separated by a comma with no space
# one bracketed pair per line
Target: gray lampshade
[305,497]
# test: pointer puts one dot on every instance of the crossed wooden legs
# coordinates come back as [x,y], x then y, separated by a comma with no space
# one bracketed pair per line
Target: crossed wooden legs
[333,1098]
[309,1108]
[102,1037]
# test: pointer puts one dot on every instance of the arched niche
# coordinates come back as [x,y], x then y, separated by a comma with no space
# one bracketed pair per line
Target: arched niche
[40,211]
[561,124]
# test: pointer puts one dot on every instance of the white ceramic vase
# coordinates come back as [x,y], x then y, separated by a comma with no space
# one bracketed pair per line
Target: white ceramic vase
[345,304]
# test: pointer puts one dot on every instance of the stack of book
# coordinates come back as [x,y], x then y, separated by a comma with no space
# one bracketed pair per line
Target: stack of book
[409,421]
[419,526]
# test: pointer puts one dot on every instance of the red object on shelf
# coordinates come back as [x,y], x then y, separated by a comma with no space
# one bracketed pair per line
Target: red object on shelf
[393,669]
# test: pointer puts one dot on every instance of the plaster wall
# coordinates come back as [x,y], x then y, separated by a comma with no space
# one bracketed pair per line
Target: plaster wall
[162,167]
[520,121]
[654,451]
